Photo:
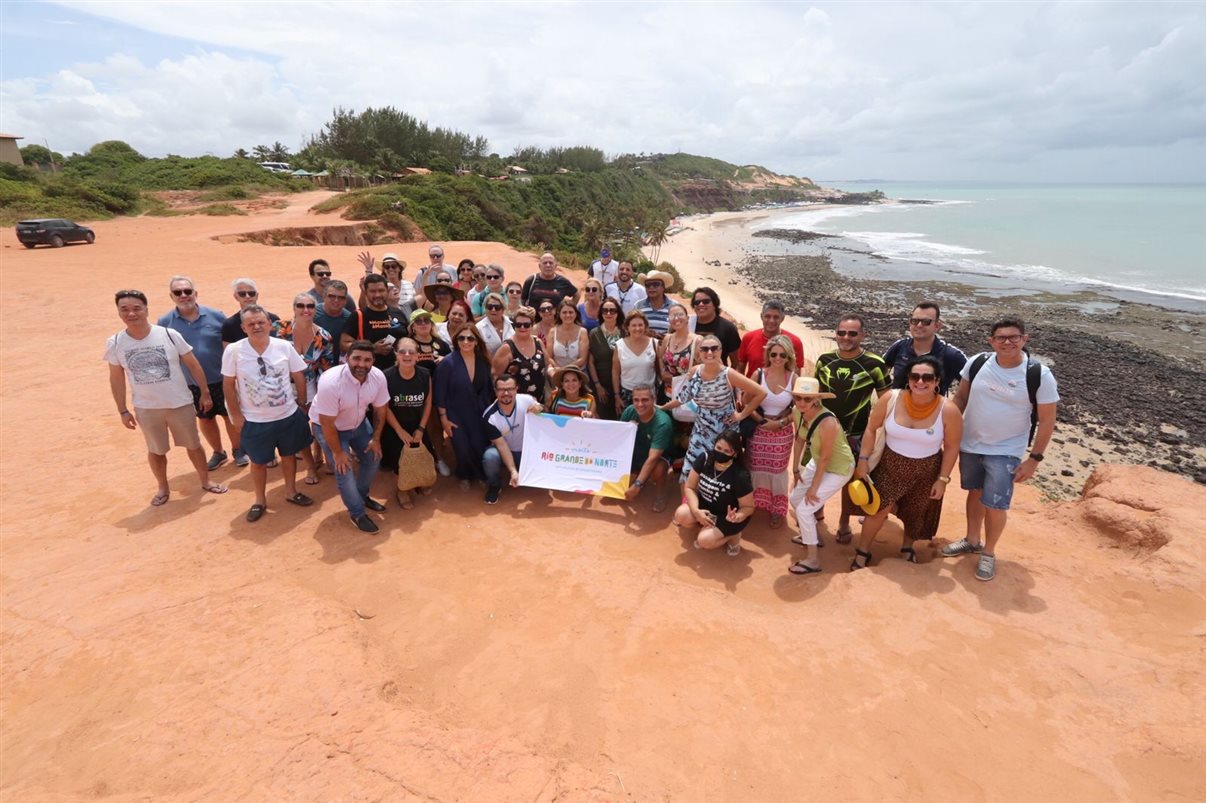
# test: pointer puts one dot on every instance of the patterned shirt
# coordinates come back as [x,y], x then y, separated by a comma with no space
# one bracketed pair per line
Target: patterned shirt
[853,381]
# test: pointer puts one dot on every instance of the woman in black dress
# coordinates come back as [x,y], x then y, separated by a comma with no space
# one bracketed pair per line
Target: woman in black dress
[409,409]
[463,390]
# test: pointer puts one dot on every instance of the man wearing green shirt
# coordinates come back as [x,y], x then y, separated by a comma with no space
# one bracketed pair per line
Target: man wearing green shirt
[650,455]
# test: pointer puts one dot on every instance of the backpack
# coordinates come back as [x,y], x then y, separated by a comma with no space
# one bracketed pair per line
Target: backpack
[1034,376]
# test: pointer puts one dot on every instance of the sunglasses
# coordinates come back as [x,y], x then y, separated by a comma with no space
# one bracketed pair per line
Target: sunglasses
[709,349]
[701,302]
[522,324]
[407,351]
[778,355]
[421,321]
[847,332]
[305,306]
[610,311]
[494,307]
[466,339]
[1007,338]
[247,293]
[514,292]
[325,273]
[337,298]
[479,275]
[921,321]
[263,368]
[543,310]
[654,284]
[179,293]
[493,275]
[443,281]
[924,379]
[592,289]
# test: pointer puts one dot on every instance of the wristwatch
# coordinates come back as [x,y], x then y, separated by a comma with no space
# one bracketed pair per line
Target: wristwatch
[1036,457]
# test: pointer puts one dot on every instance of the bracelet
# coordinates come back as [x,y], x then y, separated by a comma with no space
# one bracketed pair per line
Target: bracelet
[638,484]
[944,479]
[123,412]
[864,457]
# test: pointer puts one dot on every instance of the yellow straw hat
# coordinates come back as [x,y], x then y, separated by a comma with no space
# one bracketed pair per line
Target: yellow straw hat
[864,494]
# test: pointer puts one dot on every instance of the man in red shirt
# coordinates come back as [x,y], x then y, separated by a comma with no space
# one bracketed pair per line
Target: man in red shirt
[749,357]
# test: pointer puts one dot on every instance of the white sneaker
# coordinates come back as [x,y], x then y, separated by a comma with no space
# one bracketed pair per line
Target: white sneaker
[442,467]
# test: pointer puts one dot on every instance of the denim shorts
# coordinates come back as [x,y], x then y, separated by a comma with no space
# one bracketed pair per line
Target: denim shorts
[991,474]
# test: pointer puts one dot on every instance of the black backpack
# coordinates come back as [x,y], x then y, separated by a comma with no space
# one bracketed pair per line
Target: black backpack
[1034,376]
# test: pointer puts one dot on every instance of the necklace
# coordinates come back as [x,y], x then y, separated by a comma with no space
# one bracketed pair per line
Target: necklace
[716,474]
[920,412]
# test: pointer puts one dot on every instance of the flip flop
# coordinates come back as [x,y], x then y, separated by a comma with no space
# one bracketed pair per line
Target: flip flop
[160,499]
[311,480]
[256,512]
[844,536]
[299,499]
[800,567]
[215,488]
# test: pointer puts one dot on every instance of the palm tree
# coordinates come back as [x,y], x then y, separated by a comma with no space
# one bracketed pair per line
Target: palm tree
[242,153]
[278,153]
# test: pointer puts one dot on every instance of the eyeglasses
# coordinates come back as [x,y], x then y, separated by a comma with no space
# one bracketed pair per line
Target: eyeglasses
[326,273]
[466,339]
[1006,338]
[305,306]
[522,324]
[709,349]
[778,355]
[493,275]
[921,321]
[494,307]
[924,379]
[847,332]
[407,351]
[701,302]
[592,290]
[260,360]
[247,293]
[178,293]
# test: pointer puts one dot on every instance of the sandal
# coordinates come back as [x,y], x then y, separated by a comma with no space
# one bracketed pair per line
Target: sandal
[299,499]
[311,480]
[776,522]
[800,567]
[844,536]
[799,541]
[404,501]
[910,555]
[160,499]
[858,553]
[213,488]
[733,549]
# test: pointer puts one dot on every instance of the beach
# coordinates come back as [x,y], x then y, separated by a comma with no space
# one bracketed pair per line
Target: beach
[1128,372]
[553,647]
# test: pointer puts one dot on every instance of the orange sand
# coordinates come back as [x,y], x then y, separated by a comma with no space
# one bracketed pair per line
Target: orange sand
[553,647]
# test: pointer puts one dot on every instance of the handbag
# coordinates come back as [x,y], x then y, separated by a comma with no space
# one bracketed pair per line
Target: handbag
[881,437]
[416,468]
[686,411]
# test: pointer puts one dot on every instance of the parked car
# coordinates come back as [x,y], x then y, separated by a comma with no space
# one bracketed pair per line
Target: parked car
[52,231]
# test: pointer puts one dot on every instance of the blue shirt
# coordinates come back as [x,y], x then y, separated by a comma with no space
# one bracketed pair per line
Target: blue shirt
[204,335]
[659,319]
[332,323]
[900,352]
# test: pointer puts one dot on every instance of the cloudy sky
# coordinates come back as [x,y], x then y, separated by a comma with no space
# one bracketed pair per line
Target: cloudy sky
[1018,92]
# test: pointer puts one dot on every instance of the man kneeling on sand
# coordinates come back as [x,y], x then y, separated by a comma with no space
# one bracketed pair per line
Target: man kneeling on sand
[337,417]
[151,357]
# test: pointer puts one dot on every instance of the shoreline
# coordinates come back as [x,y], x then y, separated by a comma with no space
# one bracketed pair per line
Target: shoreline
[1092,342]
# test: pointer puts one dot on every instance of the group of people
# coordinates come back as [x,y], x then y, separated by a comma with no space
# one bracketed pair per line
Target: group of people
[447,367]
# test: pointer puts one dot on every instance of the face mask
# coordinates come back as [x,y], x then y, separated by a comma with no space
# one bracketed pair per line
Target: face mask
[720,457]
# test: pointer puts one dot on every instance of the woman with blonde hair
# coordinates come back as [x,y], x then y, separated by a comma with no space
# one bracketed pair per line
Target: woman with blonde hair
[495,327]
[677,348]
[770,446]
[592,298]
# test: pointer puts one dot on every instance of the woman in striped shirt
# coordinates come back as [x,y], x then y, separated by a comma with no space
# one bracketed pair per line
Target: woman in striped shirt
[570,397]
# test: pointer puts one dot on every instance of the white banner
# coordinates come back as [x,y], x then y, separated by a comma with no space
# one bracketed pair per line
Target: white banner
[584,455]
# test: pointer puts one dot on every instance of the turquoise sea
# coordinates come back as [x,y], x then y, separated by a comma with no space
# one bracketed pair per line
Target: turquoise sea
[1140,242]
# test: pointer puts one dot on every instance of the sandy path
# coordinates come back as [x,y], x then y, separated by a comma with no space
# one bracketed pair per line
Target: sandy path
[546,649]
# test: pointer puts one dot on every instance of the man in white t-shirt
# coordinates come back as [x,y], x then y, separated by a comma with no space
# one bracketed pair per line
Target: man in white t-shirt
[505,420]
[150,358]
[624,289]
[994,395]
[263,377]
[604,268]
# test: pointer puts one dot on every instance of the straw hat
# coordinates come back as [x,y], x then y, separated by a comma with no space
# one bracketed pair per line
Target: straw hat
[390,257]
[571,369]
[864,494]
[657,275]
[429,291]
[809,387]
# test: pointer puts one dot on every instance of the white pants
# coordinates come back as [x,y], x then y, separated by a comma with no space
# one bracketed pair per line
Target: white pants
[830,485]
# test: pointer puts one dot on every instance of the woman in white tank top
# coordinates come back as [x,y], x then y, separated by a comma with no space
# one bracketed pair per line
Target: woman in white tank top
[770,447]
[636,359]
[921,443]
[567,341]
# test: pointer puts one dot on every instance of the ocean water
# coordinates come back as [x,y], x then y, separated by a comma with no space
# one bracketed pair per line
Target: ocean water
[1139,242]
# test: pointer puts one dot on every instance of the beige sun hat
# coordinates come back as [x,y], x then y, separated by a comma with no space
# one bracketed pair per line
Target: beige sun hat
[810,387]
[655,275]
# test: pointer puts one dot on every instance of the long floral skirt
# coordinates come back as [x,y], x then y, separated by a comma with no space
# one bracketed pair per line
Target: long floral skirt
[769,455]
[906,481]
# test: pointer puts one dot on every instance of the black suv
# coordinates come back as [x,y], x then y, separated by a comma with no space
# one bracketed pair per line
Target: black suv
[52,231]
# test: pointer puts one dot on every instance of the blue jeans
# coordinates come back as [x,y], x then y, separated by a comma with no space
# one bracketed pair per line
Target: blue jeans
[353,484]
[492,464]
[991,475]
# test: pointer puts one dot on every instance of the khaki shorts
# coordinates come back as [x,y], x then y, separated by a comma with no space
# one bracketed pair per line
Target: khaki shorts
[157,423]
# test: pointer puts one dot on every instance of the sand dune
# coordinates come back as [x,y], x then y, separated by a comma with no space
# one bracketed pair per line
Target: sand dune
[552,647]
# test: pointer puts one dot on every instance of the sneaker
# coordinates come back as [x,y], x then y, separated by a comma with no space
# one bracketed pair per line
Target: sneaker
[218,459]
[987,568]
[241,458]
[962,547]
[366,525]
[492,495]
[442,467]
[733,549]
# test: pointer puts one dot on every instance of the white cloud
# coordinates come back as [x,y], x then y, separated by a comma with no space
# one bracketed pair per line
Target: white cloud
[853,89]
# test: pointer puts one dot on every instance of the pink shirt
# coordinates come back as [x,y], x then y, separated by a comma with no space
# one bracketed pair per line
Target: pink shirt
[340,394]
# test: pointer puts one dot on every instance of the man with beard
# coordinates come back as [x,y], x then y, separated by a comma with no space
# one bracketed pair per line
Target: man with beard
[338,420]
[624,289]
[376,323]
